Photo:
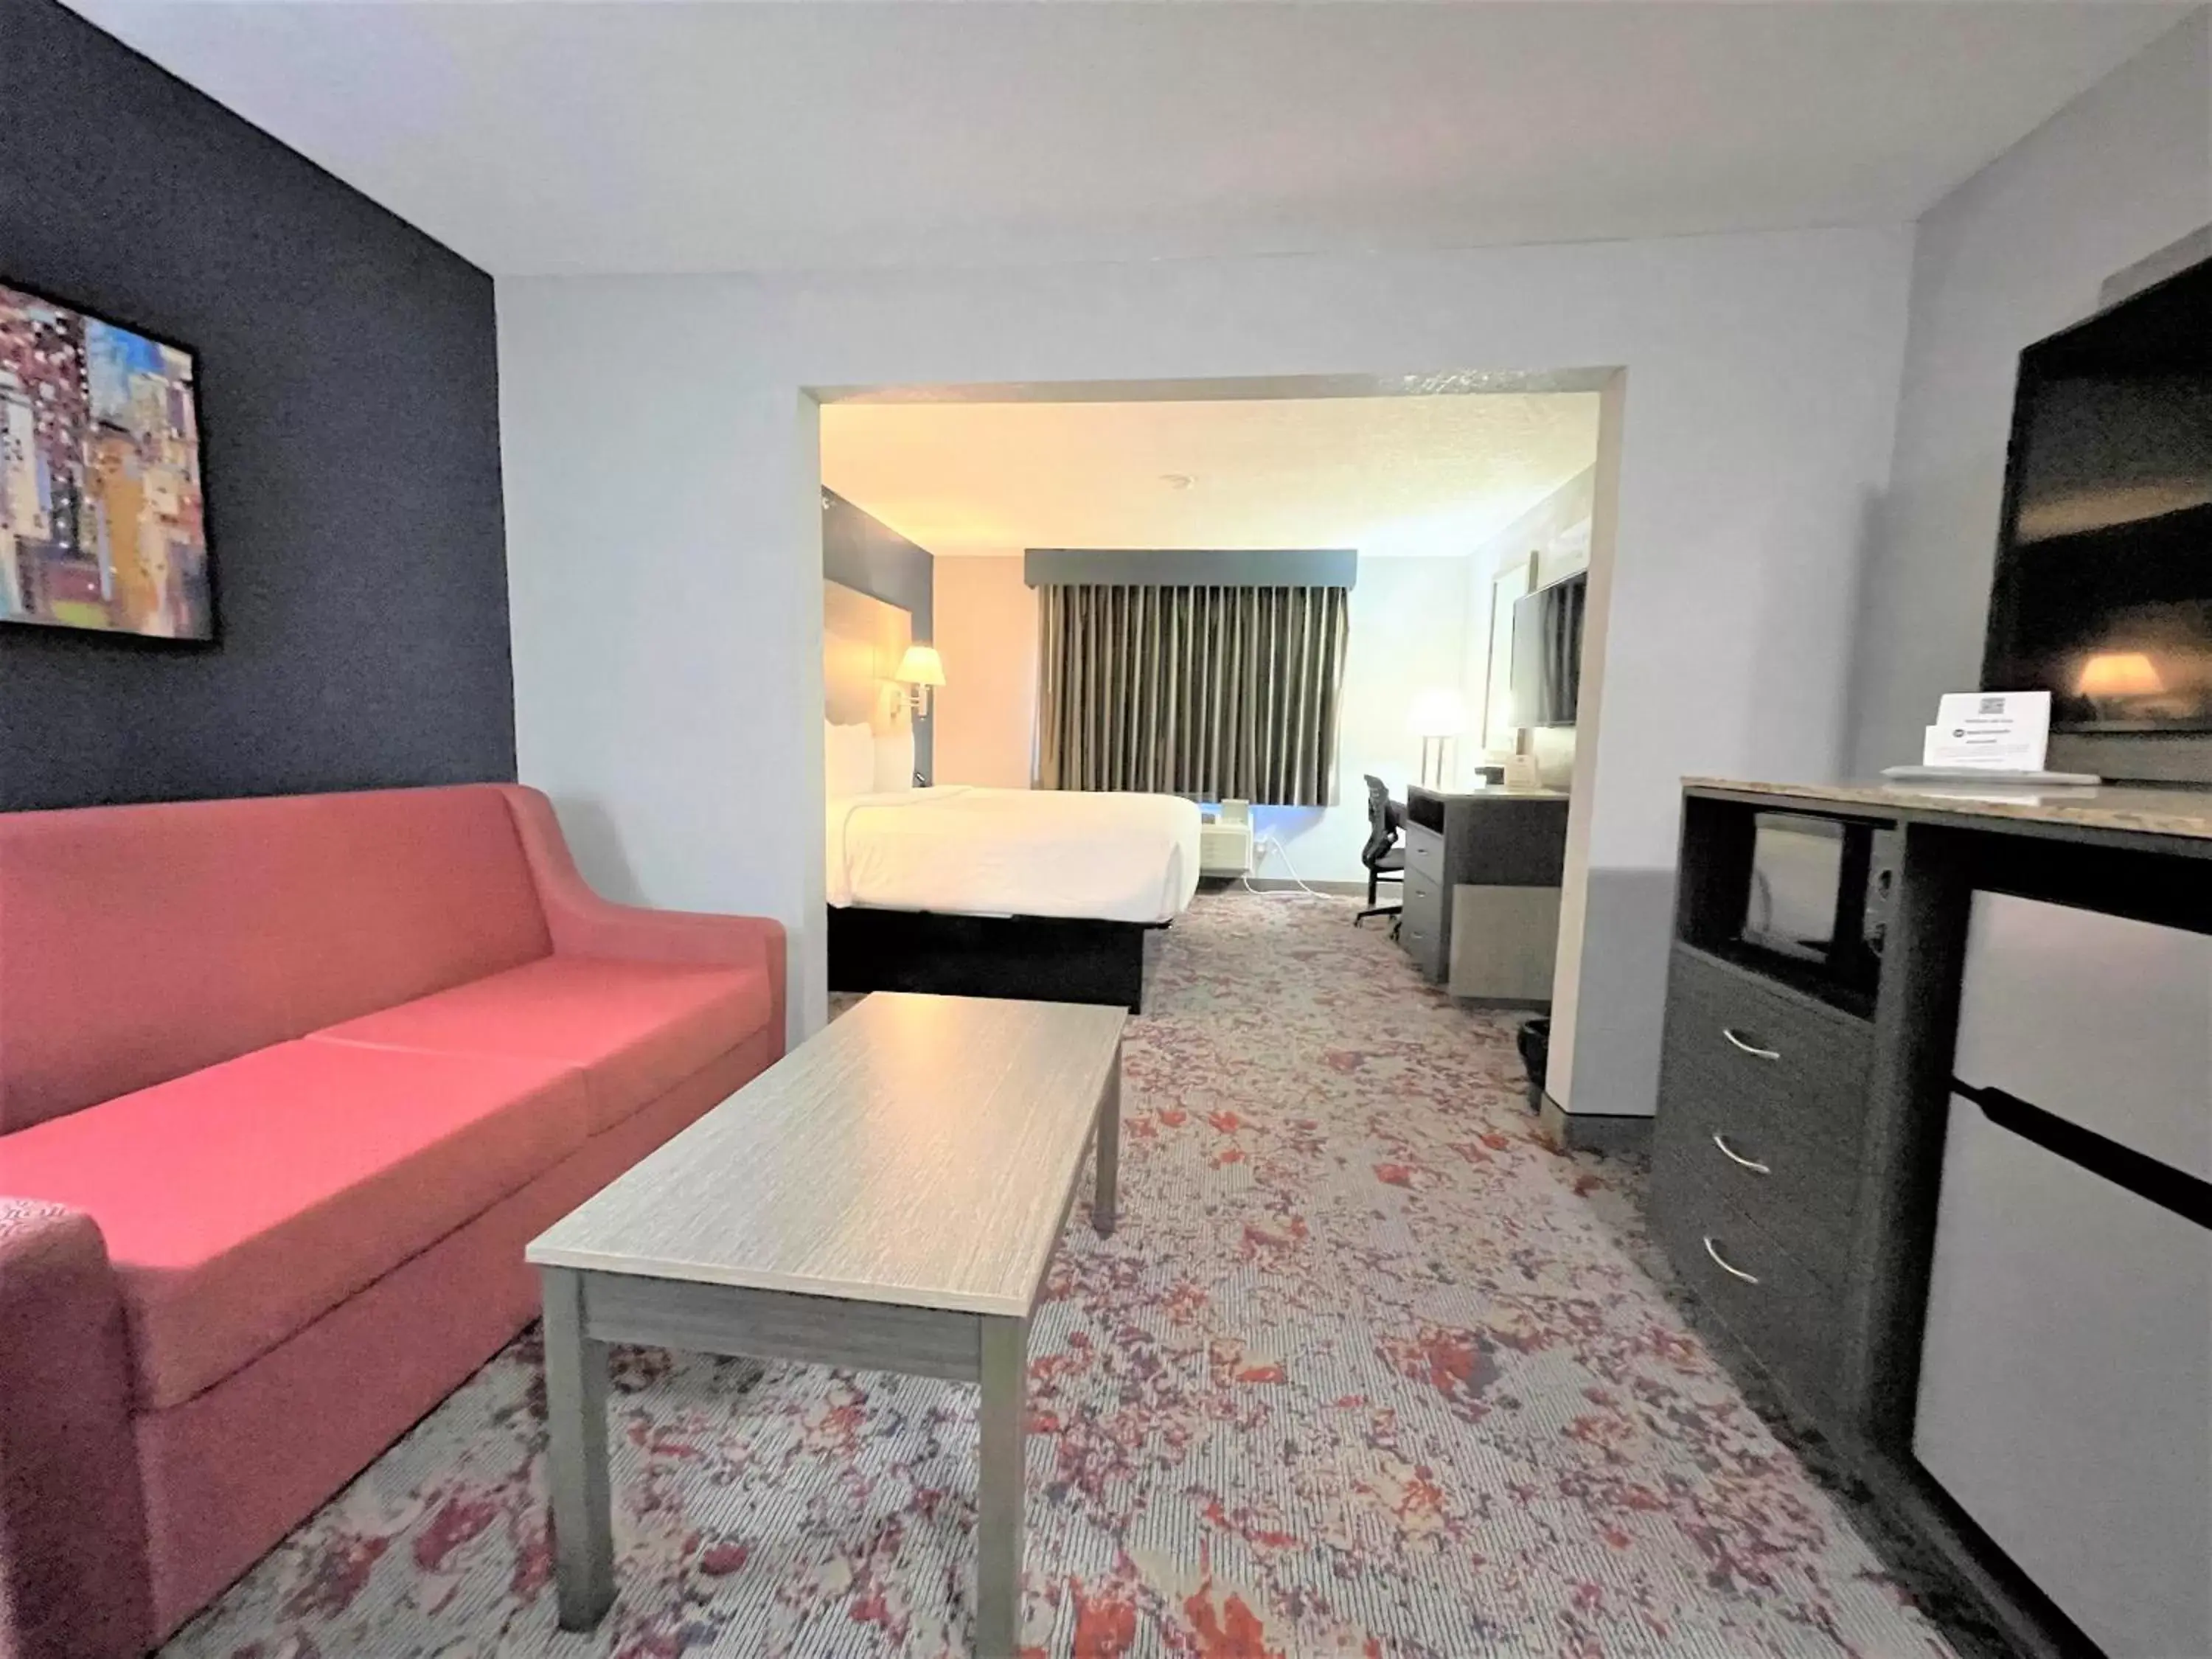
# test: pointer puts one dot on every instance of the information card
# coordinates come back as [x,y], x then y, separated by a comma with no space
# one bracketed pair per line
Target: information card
[1991,730]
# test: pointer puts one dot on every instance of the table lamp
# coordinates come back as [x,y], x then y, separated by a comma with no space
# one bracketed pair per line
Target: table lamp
[1438,716]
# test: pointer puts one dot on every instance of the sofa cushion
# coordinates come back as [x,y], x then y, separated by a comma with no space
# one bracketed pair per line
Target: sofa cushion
[240,1202]
[635,1030]
[140,943]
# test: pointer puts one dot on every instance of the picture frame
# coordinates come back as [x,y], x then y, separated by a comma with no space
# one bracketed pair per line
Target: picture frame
[105,530]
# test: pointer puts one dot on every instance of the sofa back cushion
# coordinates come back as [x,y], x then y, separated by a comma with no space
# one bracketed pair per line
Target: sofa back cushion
[140,943]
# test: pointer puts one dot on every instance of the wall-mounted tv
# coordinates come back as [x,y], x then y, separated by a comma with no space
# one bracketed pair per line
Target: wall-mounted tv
[2103,593]
[1547,652]
[102,522]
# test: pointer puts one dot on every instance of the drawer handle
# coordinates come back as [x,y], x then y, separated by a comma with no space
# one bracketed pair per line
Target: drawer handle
[1738,1158]
[1751,1048]
[1727,1265]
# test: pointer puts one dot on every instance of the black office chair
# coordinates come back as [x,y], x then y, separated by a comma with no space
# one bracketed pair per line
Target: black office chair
[1384,858]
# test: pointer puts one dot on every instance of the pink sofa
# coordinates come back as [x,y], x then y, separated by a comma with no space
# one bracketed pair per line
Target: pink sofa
[285,1087]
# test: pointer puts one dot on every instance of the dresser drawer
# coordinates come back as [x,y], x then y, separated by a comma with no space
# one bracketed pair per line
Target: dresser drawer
[1422,923]
[1424,898]
[1782,1312]
[1424,854]
[1801,1189]
[1766,1053]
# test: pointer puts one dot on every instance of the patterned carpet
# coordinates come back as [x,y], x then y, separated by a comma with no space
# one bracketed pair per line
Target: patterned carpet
[1366,1370]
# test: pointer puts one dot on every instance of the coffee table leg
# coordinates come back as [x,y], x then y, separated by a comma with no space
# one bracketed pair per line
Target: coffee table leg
[576,1415]
[1107,1194]
[1005,1368]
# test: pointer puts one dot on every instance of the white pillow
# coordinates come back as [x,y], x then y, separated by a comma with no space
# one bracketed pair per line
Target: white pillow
[848,760]
[894,760]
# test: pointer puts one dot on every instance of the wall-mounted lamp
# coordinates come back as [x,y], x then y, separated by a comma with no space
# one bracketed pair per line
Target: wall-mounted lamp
[919,670]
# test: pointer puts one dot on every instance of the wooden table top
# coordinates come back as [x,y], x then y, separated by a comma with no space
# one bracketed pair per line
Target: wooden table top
[2147,809]
[919,1150]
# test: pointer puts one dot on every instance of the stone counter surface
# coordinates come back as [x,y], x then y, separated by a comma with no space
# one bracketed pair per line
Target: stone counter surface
[2143,809]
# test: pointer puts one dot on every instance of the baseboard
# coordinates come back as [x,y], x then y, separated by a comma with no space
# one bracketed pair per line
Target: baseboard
[1285,884]
[1592,1132]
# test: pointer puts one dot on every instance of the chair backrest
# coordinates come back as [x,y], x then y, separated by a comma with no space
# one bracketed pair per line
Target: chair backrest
[1384,818]
[139,943]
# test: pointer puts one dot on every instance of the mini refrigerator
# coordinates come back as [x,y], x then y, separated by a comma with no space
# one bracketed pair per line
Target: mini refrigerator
[2066,1371]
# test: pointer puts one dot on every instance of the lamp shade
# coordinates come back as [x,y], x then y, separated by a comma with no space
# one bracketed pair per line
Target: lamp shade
[1441,713]
[922,666]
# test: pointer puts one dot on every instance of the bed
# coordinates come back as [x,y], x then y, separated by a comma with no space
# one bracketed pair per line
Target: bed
[967,891]
[971,851]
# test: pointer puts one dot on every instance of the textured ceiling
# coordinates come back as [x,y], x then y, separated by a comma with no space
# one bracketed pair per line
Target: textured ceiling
[546,136]
[1389,476]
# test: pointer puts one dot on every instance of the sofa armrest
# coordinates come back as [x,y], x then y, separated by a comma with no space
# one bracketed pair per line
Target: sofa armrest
[73,1577]
[583,924]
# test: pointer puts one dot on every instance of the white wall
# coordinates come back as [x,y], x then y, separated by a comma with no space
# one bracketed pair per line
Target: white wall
[661,467]
[985,619]
[1636,937]
[2016,252]
[1406,634]
[1547,529]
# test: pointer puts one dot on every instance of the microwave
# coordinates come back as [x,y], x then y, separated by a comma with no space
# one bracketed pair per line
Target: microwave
[1819,895]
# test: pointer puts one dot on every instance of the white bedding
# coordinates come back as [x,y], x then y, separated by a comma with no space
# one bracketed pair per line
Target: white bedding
[967,851]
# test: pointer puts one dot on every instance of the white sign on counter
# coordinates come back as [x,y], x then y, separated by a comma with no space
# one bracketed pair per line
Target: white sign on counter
[1991,730]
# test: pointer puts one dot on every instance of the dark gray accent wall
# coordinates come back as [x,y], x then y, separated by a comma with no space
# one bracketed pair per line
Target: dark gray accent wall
[349,395]
[1180,567]
[863,552]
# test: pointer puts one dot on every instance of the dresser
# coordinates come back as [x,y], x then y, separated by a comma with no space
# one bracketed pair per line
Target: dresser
[1997,1311]
[1755,1161]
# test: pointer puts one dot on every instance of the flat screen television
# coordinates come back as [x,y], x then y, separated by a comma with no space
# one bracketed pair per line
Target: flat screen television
[1547,652]
[2103,592]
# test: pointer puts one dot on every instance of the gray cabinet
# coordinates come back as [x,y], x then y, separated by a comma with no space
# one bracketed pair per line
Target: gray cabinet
[1424,928]
[1966,1223]
[1755,1161]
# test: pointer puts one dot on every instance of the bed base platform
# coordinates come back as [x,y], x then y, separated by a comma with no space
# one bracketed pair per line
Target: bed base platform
[1032,958]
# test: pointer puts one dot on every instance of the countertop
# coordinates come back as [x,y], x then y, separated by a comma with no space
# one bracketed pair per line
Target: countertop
[2144,808]
[1489,792]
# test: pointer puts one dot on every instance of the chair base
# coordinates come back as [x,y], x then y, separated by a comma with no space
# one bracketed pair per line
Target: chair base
[1380,910]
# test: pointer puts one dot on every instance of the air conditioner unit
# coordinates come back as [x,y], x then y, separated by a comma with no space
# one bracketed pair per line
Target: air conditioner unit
[1224,848]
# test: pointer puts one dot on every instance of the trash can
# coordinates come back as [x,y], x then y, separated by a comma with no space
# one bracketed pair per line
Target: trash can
[1534,1041]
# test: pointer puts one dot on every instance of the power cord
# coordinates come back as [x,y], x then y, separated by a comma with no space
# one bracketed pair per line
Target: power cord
[1271,843]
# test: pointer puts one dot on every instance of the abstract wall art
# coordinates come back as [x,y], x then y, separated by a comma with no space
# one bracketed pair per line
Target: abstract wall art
[102,522]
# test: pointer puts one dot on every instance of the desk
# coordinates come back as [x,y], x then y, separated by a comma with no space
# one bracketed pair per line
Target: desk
[1482,891]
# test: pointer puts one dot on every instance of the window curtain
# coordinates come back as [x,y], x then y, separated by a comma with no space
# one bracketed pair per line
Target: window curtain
[1229,692]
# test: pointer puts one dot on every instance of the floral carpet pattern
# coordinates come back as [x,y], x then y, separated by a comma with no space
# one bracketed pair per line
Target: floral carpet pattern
[1366,1370]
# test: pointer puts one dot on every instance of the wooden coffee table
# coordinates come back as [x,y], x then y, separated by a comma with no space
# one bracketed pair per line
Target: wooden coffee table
[888,1198]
